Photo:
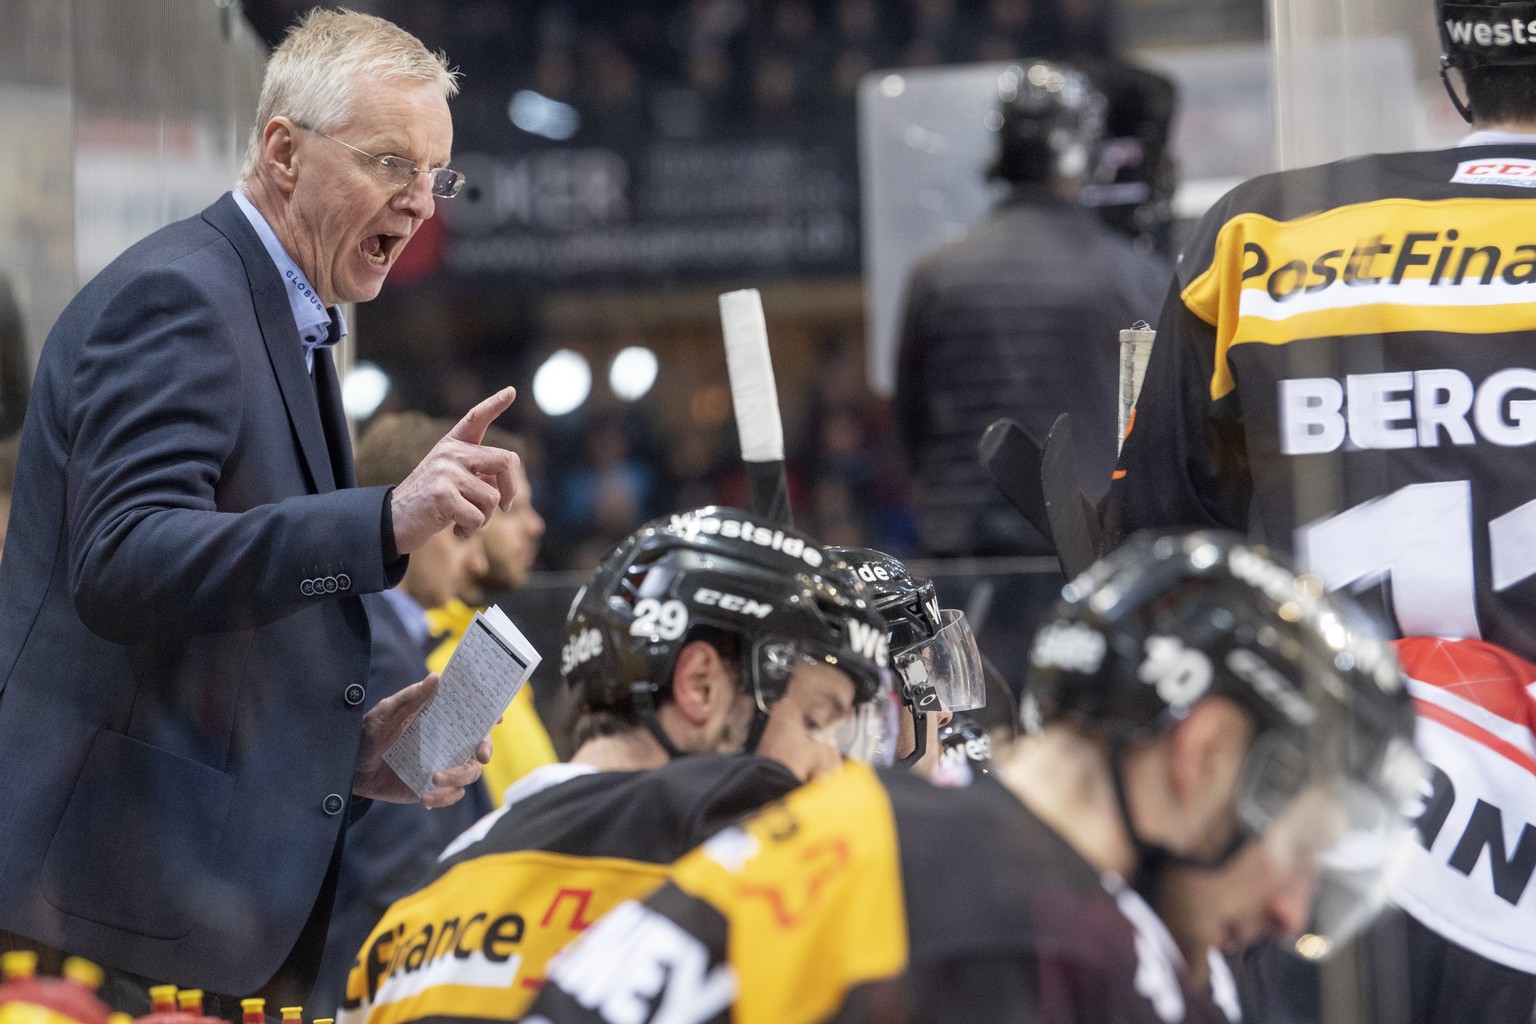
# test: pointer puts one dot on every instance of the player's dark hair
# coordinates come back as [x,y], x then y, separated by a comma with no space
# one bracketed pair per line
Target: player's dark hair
[1502,92]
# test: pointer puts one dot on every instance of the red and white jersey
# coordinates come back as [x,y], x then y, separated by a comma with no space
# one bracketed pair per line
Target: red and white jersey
[1470,879]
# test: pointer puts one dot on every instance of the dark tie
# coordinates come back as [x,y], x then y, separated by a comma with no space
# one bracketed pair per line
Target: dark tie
[332,419]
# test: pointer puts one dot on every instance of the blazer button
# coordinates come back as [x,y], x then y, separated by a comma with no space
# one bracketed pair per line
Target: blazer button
[330,584]
[333,804]
[343,581]
[307,588]
[354,694]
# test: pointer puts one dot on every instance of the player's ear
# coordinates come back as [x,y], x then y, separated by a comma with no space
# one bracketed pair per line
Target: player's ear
[700,682]
[1205,760]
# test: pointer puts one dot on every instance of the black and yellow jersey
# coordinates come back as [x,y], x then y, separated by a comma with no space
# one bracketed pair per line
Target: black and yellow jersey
[1346,369]
[473,942]
[872,896]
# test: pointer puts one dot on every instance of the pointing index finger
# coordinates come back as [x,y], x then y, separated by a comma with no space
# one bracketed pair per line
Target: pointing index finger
[471,428]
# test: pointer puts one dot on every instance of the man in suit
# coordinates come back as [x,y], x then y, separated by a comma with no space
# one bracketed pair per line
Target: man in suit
[183,648]
[393,849]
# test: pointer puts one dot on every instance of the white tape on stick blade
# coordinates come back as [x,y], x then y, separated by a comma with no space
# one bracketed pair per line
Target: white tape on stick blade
[1135,350]
[751,370]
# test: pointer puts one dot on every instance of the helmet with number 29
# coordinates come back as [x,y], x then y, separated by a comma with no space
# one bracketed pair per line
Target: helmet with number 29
[736,579]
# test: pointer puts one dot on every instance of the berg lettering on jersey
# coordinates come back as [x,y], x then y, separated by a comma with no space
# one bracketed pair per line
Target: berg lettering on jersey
[1407,409]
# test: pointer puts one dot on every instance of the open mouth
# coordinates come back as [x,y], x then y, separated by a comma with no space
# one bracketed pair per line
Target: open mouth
[378,249]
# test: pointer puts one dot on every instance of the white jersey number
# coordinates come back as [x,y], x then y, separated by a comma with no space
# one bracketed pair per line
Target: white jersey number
[1420,537]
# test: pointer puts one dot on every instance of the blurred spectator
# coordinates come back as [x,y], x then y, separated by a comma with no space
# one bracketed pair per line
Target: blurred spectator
[519,742]
[15,366]
[1020,318]
[8,450]
[609,493]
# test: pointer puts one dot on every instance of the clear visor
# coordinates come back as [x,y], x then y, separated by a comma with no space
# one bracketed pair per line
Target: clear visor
[1342,842]
[947,663]
[867,733]
[816,690]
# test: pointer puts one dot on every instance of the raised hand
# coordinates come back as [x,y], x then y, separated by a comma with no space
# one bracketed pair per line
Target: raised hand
[460,482]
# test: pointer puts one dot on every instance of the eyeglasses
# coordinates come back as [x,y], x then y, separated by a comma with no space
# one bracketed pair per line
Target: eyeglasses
[400,172]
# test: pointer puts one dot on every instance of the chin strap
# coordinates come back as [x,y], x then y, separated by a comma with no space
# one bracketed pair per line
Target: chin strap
[920,741]
[1152,859]
[920,696]
[642,694]
[755,730]
[1456,101]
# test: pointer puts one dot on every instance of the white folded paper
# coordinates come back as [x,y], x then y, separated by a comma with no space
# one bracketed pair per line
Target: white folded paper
[488,667]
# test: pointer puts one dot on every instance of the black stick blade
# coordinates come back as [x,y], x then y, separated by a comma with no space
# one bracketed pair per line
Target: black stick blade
[1011,458]
[1073,521]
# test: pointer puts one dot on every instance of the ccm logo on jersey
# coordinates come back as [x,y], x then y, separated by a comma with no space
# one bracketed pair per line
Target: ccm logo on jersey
[732,602]
[1407,409]
[795,547]
[1521,173]
[580,649]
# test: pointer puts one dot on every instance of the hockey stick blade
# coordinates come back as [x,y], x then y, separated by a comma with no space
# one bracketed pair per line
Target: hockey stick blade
[1011,458]
[1073,520]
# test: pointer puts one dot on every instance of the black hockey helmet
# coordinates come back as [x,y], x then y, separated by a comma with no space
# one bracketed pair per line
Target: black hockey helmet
[1483,33]
[1170,619]
[966,742]
[921,633]
[1135,176]
[1049,123]
[932,649]
[715,571]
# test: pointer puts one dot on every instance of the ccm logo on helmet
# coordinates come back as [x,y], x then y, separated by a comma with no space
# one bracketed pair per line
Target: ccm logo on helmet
[795,547]
[581,648]
[732,602]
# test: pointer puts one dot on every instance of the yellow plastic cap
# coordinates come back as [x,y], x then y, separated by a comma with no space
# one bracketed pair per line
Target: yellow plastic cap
[119,1018]
[190,999]
[293,1013]
[18,964]
[255,1004]
[79,969]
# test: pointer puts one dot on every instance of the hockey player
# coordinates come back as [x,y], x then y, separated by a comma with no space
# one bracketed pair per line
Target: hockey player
[1218,741]
[1344,368]
[705,632]
[933,652]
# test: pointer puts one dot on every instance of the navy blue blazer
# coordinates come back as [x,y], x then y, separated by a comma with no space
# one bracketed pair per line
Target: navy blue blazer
[182,649]
[393,850]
